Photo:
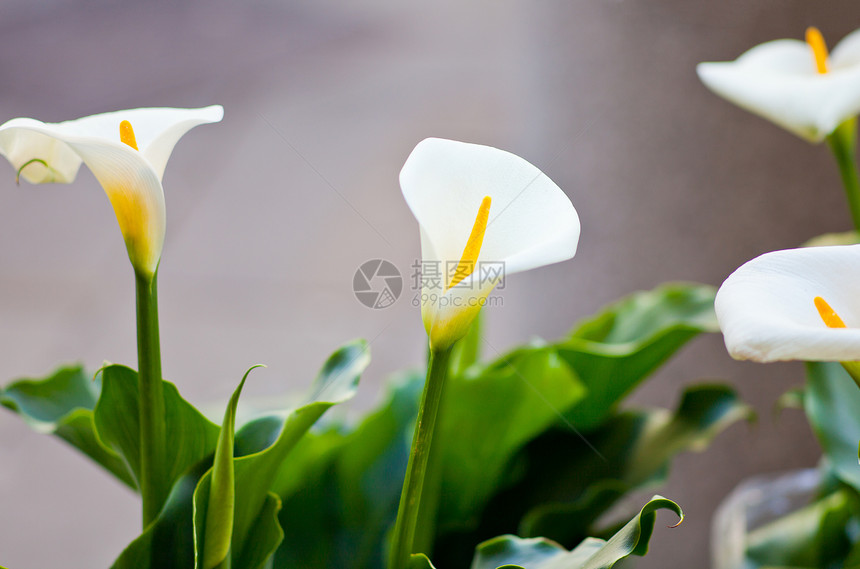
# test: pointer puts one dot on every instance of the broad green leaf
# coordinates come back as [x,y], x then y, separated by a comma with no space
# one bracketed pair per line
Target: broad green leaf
[705,411]
[619,348]
[192,436]
[592,553]
[168,543]
[267,535]
[256,473]
[486,419]
[815,536]
[832,401]
[519,552]
[62,404]
[346,501]
[570,479]
[217,508]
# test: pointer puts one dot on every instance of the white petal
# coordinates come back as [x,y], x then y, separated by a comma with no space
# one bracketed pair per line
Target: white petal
[767,313]
[531,223]
[778,81]
[132,186]
[847,52]
[136,195]
[52,152]
[786,56]
[156,130]
[50,160]
[158,145]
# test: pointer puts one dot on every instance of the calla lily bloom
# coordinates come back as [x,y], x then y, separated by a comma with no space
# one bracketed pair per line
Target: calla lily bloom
[483,214]
[795,84]
[797,304]
[127,152]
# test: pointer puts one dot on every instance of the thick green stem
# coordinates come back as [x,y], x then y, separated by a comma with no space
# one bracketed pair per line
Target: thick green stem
[843,142]
[153,486]
[410,497]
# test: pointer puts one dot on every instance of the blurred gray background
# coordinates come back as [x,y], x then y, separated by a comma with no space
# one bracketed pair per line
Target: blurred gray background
[271,211]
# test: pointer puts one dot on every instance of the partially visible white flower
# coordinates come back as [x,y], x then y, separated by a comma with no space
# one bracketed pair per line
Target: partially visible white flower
[480,208]
[767,308]
[131,178]
[792,83]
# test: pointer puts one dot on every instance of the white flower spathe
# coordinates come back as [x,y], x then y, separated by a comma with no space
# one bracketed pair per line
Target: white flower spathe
[531,223]
[766,308]
[778,80]
[131,178]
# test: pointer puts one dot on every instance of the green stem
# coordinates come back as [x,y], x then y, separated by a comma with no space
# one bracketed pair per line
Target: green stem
[843,142]
[410,497]
[153,490]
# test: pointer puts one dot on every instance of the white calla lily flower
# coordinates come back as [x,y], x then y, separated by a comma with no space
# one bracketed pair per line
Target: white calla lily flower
[127,152]
[483,214]
[796,304]
[792,83]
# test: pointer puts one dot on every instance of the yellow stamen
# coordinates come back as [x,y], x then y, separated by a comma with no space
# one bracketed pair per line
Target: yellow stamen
[819,48]
[126,134]
[828,314]
[473,245]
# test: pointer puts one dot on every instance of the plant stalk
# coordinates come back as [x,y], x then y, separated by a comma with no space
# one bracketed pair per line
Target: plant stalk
[410,498]
[843,143]
[153,490]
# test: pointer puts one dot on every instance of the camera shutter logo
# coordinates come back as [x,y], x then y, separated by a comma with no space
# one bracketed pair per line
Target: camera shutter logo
[377,284]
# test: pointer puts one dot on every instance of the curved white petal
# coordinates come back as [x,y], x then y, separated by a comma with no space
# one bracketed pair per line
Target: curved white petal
[531,223]
[778,81]
[157,131]
[135,192]
[785,56]
[767,313]
[847,51]
[43,157]
[52,152]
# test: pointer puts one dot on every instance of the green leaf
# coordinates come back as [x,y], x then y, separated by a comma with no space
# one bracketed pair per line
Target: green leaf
[815,536]
[503,424]
[488,418]
[217,509]
[705,411]
[568,482]
[256,473]
[631,339]
[419,561]
[267,534]
[168,543]
[192,436]
[832,401]
[592,553]
[348,486]
[62,404]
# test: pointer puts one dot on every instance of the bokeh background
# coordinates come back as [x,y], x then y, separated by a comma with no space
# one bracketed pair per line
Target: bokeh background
[271,211]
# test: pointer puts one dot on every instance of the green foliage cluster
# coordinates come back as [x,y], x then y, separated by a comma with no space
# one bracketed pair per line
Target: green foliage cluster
[825,533]
[534,443]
